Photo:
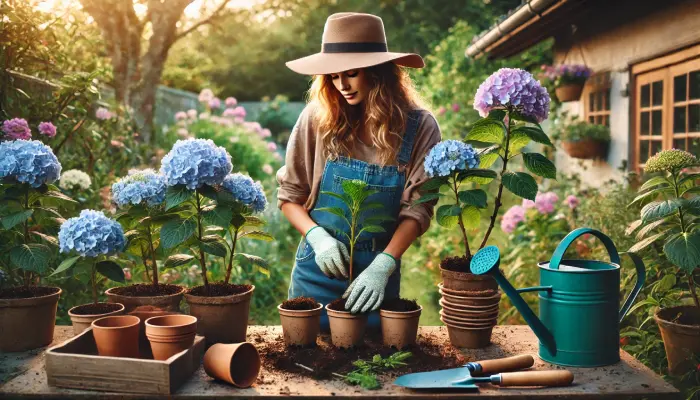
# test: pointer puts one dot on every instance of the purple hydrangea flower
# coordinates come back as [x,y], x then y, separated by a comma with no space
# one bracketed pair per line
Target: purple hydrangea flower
[47,129]
[16,128]
[231,102]
[103,114]
[572,201]
[272,146]
[512,218]
[513,87]
[545,202]
[448,156]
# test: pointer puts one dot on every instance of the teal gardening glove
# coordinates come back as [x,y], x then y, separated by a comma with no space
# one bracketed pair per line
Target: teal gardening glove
[331,255]
[366,293]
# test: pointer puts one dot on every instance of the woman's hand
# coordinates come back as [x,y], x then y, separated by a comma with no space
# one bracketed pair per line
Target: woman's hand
[331,255]
[366,293]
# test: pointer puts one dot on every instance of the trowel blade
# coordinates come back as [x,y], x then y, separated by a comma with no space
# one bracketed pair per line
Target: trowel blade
[437,379]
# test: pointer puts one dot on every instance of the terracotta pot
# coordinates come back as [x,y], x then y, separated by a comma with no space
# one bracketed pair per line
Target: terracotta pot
[474,302]
[455,319]
[170,334]
[169,302]
[399,328]
[586,149]
[221,319]
[569,92]
[466,281]
[470,338]
[680,340]
[347,329]
[117,336]
[84,321]
[458,311]
[144,313]
[300,327]
[237,364]
[27,324]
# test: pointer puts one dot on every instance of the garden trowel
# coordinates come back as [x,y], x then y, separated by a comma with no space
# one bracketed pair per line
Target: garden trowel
[461,378]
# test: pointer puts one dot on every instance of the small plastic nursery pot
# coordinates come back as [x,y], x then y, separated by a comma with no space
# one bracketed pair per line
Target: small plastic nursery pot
[470,337]
[399,328]
[221,319]
[300,327]
[82,319]
[170,334]
[167,302]
[465,281]
[347,329]
[680,331]
[569,92]
[117,336]
[237,364]
[28,323]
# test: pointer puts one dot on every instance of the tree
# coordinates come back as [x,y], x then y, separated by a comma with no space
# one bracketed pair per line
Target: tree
[137,73]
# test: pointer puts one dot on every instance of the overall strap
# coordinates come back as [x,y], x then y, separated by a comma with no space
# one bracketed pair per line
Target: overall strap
[412,123]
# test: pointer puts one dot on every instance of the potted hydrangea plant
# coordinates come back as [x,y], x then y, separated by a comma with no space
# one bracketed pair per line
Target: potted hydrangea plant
[670,219]
[141,197]
[92,239]
[580,139]
[568,80]
[512,104]
[28,222]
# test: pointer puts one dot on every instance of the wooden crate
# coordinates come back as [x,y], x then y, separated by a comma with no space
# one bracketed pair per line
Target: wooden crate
[75,364]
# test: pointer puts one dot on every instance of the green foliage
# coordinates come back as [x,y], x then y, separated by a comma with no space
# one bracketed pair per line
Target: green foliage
[571,129]
[365,372]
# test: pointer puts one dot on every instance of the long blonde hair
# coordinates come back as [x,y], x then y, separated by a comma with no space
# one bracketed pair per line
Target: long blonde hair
[384,112]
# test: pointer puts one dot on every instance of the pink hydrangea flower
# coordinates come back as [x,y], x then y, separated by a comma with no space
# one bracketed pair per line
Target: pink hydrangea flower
[278,157]
[180,115]
[239,120]
[441,111]
[455,107]
[17,128]
[267,168]
[512,218]
[183,133]
[572,201]
[528,204]
[253,127]
[47,129]
[103,114]
[272,146]
[545,202]
[265,133]
[215,103]
[205,95]
[192,113]
[231,102]
[240,111]
[229,112]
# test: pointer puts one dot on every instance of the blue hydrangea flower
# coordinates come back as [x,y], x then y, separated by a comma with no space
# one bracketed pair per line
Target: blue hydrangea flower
[139,186]
[91,234]
[246,191]
[513,87]
[196,162]
[28,161]
[448,156]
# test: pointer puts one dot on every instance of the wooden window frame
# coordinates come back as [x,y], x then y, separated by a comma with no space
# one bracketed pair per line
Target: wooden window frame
[597,83]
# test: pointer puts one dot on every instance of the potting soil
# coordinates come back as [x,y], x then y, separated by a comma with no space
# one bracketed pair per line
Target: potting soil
[456,264]
[300,303]
[147,290]
[26,292]
[399,305]
[95,309]
[220,289]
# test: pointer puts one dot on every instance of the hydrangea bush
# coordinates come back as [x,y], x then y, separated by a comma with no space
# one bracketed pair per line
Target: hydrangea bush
[671,211]
[140,186]
[512,104]
[92,236]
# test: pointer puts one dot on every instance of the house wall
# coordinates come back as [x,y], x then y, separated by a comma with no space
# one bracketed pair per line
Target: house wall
[615,40]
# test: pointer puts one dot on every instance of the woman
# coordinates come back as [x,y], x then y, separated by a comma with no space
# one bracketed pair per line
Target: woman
[363,121]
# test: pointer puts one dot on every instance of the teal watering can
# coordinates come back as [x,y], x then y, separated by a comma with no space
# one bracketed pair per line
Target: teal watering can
[579,322]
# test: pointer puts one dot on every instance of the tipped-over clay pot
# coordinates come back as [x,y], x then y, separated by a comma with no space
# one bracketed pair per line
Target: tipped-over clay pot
[237,363]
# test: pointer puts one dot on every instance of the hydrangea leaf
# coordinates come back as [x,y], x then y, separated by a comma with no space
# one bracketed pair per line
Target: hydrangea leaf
[654,181]
[520,184]
[111,270]
[219,216]
[660,209]
[176,231]
[177,259]
[255,260]
[426,198]
[475,197]
[643,244]
[516,142]
[497,115]
[257,235]
[176,195]
[47,238]
[434,183]
[448,215]
[683,250]
[478,173]
[471,217]
[59,196]
[65,264]
[212,244]
[487,130]
[540,165]
[12,220]
[31,257]
[534,133]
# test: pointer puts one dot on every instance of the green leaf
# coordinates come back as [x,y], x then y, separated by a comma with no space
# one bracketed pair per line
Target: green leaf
[377,219]
[212,244]
[65,264]
[373,229]
[647,229]
[488,159]
[372,205]
[478,173]
[335,211]
[633,227]
[534,133]
[692,204]
[176,195]
[497,115]
[520,184]
[111,270]
[487,130]
[540,165]
[643,244]
[478,144]
[689,177]
[355,188]
[517,141]
[433,183]
[58,195]
[518,116]
[475,197]
[648,195]
[32,257]
[368,381]
[47,238]
[342,197]
[208,192]
[655,181]
[471,217]
[426,198]
[177,259]
[176,231]
[683,250]
[255,260]
[254,221]
[257,235]
[219,216]
[12,220]
[448,215]
[660,209]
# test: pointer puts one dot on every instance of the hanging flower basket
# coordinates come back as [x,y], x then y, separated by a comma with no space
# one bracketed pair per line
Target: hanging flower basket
[568,80]
[586,149]
[569,92]
[579,139]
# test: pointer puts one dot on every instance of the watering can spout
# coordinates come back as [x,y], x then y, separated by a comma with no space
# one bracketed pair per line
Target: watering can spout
[487,261]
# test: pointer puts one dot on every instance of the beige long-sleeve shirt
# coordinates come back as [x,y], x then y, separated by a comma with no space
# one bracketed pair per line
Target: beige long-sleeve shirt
[300,178]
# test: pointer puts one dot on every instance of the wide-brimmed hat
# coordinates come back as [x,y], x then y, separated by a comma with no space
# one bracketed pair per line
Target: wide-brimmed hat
[350,41]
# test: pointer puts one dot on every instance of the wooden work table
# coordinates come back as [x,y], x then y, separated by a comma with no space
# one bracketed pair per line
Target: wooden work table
[23,375]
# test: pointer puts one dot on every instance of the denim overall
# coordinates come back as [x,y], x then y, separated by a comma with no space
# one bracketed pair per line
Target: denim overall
[389,181]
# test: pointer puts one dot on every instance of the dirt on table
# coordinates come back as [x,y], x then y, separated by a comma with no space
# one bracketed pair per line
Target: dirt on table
[429,354]
[147,290]
[220,289]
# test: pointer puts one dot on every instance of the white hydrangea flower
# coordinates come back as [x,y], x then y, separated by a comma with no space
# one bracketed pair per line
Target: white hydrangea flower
[75,179]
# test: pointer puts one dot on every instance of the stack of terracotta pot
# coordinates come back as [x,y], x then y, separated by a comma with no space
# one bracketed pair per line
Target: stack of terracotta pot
[469,308]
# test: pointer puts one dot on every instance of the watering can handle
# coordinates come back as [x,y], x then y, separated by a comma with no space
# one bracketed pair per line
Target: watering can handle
[641,277]
[573,235]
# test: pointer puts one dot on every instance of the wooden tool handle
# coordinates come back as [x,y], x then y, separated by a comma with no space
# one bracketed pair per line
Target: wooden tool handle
[537,378]
[514,363]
